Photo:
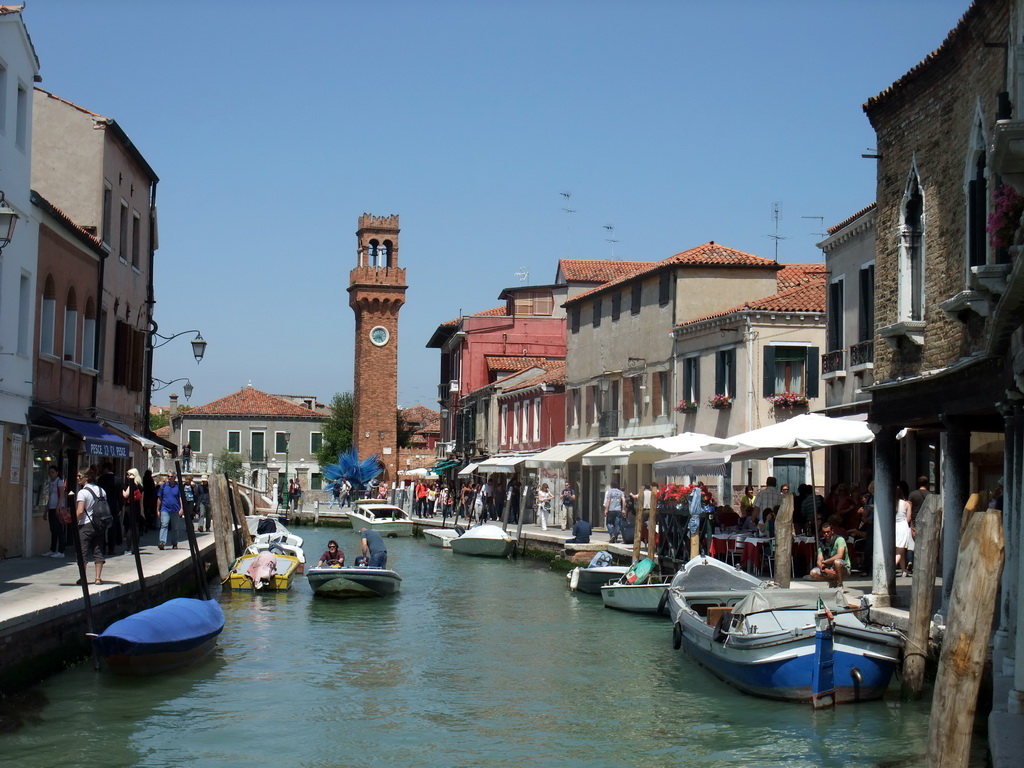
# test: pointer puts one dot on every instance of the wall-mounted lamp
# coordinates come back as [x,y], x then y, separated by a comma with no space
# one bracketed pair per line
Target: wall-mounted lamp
[8,218]
[188,389]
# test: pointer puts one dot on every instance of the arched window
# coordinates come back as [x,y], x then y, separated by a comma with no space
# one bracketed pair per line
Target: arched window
[371,254]
[911,252]
[977,198]
[89,335]
[48,317]
[71,327]
[385,254]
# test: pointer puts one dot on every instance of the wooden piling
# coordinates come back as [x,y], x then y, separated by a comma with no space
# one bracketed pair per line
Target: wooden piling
[784,541]
[972,605]
[220,519]
[928,525]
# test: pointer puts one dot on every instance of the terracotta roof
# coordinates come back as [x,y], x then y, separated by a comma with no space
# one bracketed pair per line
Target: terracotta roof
[512,363]
[849,220]
[916,72]
[501,311]
[554,374]
[710,254]
[597,271]
[420,414]
[798,274]
[66,221]
[5,9]
[800,298]
[71,104]
[252,402]
[164,432]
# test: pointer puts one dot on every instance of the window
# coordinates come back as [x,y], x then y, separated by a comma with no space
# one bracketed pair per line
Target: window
[48,318]
[911,254]
[503,430]
[515,422]
[129,356]
[24,313]
[89,336]
[866,316]
[281,442]
[536,419]
[257,446]
[122,242]
[108,210]
[791,369]
[136,227]
[597,312]
[977,200]
[316,481]
[664,288]
[725,372]
[592,405]
[316,442]
[71,327]
[538,302]
[835,315]
[195,440]
[636,396]
[575,403]
[662,392]
[691,379]
[234,441]
[21,126]
[634,299]
[574,319]
[3,97]
[616,305]
[101,352]
[525,412]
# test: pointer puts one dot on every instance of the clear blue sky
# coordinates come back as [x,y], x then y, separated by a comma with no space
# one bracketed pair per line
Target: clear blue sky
[274,125]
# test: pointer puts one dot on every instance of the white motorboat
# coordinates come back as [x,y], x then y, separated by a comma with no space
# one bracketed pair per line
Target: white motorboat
[344,582]
[269,534]
[484,540]
[591,579]
[386,519]
[637,591]
[441,537]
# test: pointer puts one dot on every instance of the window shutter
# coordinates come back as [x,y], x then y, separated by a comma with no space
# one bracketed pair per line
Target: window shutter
[696,380]
[812,371]
[732,372]
[719,374]
[768,385]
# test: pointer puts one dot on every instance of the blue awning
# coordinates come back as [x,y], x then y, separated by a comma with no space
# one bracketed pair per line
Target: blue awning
[98,441]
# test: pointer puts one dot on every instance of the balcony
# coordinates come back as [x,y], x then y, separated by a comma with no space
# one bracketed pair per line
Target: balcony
[862,356]
[833,365]
[608,424]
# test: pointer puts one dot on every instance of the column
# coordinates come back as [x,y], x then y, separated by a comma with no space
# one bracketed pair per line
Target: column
[1014,508]
[883,568]
[955,445]
[1007,608]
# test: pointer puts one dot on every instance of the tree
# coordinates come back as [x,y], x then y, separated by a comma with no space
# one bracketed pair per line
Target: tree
[230,464]
[404,430]
[162,419]
[337,430]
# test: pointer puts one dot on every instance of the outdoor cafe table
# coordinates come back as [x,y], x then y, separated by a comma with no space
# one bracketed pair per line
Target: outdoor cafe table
[723,543]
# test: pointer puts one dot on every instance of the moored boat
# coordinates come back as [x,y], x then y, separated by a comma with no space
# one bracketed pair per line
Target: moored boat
[781,644]
[269,533]
[592,578]
[484,540]
[263,571]
[441,537]
[386,519]
[359,581]
[637,590]
[165,637]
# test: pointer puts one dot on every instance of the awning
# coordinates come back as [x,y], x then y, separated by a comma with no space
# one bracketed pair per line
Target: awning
[558,455]
[98,441]
[131,434]
[696,463]
[608,453]
[441,466]
[504,464]
[469,469]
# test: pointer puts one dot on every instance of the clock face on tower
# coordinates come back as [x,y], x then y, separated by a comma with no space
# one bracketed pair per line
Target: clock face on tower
[379,335]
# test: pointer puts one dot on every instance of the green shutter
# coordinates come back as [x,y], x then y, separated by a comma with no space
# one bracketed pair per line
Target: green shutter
[768,384]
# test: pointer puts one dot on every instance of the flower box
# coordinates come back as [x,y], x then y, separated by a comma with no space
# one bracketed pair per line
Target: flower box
[686,406]
[787,400]
[720,402]
[1004,217]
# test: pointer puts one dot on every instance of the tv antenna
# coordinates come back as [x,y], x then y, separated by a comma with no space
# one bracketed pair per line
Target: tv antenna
[611,239]
[821,225]
[523,274]
[568,225]
[776,214]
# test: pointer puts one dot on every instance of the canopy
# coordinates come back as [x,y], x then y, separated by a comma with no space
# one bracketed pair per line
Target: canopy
[803,432]
[503,464]
[418,472]
[469,469]
[560,454]
[695,463]
[646,450]
[99,443]
[131,434]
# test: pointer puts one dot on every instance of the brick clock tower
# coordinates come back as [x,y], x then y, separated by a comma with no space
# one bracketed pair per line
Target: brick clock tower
[376,293]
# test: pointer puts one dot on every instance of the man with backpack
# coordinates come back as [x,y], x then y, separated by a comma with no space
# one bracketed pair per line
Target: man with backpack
[169,500]
[93,518]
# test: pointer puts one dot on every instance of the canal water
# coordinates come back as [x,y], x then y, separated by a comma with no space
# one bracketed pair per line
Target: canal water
[476,662]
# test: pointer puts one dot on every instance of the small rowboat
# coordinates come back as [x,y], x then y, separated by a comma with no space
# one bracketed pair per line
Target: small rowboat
[440,537]
[484,541]
[263,571]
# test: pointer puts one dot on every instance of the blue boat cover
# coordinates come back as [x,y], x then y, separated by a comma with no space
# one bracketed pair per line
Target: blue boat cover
[177,625]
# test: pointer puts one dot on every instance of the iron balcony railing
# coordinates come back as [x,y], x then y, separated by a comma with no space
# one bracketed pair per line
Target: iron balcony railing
[832,361]
[862,353]
[608,424]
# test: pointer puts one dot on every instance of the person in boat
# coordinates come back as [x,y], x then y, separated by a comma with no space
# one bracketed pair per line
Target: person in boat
[580,531]
[333,555]
[834,567]
[374,549]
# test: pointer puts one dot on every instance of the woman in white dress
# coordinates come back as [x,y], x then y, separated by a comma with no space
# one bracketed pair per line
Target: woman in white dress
[544,497]
[904,529]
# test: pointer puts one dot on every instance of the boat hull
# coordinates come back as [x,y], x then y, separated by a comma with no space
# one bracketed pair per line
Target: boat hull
[636,598]
[386,519]
[484,541]
[287,568]
[169,636]
[440,537]
[346,583]
[590,580]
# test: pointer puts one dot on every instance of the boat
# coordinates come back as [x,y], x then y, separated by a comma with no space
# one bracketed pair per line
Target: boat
[386,519]
[441,537]
[269,533]
[593,577]
[265,570]
[484,540]
[357,581]
[637,590]
[168,636]
[787,644]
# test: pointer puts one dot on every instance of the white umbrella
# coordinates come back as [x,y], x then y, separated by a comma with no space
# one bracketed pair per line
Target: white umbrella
[684,442]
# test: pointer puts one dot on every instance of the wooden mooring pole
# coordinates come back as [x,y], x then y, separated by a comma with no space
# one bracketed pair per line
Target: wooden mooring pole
[784,542]
[926,550]
[972,605]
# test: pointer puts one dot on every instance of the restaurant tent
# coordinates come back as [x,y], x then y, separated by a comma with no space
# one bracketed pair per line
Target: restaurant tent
[694,463]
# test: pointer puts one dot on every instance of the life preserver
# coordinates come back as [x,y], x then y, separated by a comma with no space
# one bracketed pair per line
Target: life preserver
[459,530]
[663,603]
[719,635]
[677,636]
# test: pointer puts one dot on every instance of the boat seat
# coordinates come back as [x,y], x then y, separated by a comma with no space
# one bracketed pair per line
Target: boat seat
[716,612]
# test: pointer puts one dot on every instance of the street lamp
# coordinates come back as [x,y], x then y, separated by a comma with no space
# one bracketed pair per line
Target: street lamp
[198,343]
[187,389]
[287,440]
[8,218]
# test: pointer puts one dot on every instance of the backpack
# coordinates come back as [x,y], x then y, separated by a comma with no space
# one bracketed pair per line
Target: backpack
[100,515]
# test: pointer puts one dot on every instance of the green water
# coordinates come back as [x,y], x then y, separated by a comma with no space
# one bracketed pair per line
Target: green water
[477,662]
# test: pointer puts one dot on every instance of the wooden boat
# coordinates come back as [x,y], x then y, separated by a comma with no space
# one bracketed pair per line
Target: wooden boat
[484,540]
[793,645]
[265,570]
[165,637]
[386,519]
[343,582]
[636,591]
[269,533]
[440,537]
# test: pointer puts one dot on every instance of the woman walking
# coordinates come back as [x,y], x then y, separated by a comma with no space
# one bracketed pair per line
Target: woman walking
[57,515]
[904,529]
[544,497]
[134,523]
